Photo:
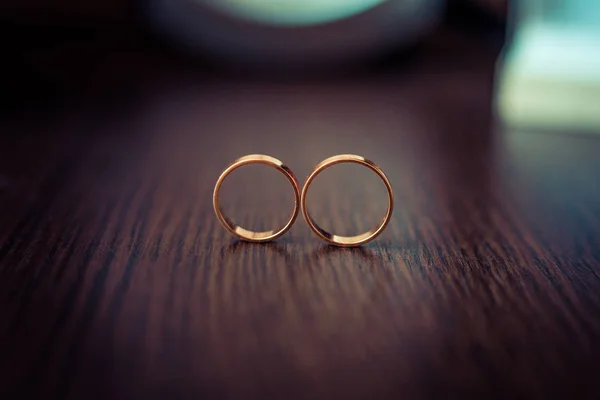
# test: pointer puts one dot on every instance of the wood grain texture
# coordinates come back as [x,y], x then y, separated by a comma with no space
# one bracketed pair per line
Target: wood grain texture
[116,280]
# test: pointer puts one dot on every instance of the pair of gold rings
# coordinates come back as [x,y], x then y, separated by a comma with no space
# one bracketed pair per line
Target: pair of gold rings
[300,200]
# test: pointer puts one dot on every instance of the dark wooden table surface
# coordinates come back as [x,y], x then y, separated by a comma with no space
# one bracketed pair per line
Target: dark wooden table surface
[116,280]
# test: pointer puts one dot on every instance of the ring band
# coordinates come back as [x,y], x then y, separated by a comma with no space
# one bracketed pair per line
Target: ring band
[347,241]
[246,234]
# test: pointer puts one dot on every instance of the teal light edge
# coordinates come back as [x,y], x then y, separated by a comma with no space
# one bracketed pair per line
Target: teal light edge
[295,12]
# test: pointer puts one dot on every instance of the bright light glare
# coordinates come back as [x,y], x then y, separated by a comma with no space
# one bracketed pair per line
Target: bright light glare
[295,12]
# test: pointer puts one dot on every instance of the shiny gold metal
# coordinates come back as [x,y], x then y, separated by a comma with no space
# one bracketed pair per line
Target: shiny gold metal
[347,241]
[237,230]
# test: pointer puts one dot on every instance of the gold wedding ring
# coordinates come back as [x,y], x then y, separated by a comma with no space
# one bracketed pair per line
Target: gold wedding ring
[347,241]
[246,234]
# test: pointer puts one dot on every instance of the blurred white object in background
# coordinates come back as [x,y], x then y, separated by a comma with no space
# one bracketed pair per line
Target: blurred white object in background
[294,12]
[294,33]
[549,75]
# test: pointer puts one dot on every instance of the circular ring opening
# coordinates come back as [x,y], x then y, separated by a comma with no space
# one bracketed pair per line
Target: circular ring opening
[347,241]
[239,231]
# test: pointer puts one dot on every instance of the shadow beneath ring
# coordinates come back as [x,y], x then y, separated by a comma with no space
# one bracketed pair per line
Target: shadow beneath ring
[358,252]
[239,247]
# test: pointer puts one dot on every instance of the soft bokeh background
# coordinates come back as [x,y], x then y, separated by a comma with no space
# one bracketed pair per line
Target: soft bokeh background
[55,48]
[117,281]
